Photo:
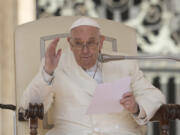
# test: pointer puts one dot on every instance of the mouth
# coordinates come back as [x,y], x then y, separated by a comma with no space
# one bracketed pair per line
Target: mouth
[86,57]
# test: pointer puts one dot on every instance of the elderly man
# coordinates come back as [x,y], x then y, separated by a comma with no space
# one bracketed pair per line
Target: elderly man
[68,80]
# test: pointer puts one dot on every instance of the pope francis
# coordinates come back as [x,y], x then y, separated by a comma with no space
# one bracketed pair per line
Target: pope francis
[68,80]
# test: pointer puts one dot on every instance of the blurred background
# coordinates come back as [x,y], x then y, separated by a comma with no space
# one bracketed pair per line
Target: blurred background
[157,23]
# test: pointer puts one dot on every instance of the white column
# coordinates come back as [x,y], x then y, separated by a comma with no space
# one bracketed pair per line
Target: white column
[0,68]
[7,82]
[26,11]
[164,81]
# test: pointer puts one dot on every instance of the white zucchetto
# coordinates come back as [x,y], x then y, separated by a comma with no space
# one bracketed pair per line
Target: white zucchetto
[84,21]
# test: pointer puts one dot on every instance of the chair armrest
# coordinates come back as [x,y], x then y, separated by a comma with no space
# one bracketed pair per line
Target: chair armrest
[164,114]
[33,113]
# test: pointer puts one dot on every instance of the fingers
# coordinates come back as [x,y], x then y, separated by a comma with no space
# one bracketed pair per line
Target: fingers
[127,94]
[126,100]
[51,50]
[58,55]
[131,108]
[52,57]
[54,43]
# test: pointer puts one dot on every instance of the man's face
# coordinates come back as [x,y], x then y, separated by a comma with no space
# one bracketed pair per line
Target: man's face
[85,42]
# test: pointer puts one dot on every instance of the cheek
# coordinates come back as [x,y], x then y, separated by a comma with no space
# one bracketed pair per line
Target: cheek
[77,55]
[95,53]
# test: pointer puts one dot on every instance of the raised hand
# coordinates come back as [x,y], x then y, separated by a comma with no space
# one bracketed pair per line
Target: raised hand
[52,57]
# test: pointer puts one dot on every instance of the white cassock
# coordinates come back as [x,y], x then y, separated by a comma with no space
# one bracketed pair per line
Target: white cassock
[73,88]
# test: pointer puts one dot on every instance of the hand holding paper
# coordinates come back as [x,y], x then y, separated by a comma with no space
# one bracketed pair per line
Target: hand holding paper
[129,103]
[107,96]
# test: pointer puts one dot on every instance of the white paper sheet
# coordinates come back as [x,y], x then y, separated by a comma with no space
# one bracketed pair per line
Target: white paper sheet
[107,96]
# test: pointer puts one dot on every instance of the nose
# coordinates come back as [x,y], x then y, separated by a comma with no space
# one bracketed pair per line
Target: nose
[85,49]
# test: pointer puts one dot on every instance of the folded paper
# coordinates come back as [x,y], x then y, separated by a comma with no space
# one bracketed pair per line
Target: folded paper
[107,96]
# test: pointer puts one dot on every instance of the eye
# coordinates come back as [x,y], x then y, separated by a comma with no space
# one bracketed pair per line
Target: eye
[78,43]
[90,43]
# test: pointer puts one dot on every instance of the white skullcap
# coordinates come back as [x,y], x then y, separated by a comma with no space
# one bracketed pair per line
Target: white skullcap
[84,21]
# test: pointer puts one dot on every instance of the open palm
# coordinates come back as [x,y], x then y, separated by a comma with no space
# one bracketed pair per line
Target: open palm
[52,57]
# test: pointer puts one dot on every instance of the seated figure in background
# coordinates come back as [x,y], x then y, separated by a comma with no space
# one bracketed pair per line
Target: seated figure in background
[68,80]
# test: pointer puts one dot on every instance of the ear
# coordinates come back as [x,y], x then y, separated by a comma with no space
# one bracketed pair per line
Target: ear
[68,39]
[101,42]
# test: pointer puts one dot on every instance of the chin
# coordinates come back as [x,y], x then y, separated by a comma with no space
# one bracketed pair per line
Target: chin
[86,65]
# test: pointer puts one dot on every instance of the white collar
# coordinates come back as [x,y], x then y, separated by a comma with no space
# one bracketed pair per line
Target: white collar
[92,69]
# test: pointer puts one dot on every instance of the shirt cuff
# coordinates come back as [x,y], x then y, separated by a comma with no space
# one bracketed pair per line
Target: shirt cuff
[142,113]
[47,78]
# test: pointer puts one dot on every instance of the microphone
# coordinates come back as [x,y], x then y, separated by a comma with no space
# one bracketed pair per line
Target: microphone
[106,57]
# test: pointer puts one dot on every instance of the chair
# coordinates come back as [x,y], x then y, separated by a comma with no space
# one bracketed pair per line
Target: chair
[32,38]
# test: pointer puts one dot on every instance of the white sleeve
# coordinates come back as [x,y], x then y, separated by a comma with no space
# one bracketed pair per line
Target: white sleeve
[147,96]
[47,78]
[141,117]
[38,91]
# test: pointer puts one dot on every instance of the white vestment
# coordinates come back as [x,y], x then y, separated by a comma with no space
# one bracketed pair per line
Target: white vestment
[71,92]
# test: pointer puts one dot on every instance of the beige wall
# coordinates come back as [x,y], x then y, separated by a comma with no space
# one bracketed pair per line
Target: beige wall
[12,12]
[7,82]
